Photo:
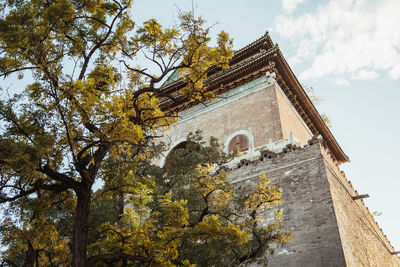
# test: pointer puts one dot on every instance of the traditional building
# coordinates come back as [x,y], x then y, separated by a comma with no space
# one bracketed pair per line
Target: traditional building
[263,111]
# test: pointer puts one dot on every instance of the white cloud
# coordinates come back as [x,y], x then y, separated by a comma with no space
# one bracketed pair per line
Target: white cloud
[342,82]
[345,39]
[365,75]
[290,5]
[395,71]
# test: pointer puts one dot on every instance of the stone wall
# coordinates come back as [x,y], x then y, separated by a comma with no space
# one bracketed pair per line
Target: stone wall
[330,228]
[364,243]
[307,209]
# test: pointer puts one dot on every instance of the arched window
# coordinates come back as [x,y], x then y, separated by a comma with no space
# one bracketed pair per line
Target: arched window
[242,141]
[239,143]
[191,146]
[181,145]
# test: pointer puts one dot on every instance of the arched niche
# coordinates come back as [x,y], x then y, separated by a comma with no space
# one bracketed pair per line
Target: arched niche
[239,143]
[180,144]
[241,140]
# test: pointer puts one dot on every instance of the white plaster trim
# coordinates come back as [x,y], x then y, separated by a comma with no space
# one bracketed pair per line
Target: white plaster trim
[248,135]
[171,147]
[271,78]
[279,145]
[255,152]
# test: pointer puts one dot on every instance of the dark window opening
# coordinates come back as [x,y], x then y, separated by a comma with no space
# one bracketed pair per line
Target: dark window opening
[238,143]
[192,146]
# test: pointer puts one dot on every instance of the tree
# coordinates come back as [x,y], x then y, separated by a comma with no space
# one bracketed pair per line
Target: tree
[83,120]
[226,222]
[176,216]
[188,212]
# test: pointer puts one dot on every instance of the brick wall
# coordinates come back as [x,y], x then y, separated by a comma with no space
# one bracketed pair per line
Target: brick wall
[256,112]
[290,120]
[307,209]
[260,109]
[364,243]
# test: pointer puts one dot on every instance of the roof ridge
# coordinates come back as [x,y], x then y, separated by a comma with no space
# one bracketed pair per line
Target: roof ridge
[224,71]
[266,38]
[237,56]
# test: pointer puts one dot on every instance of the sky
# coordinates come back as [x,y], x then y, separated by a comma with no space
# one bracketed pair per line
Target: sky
[349,52]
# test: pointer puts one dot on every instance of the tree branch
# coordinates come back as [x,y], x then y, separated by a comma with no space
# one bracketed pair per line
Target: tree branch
[115,257]
[99,44]
[6,73]
[60,177]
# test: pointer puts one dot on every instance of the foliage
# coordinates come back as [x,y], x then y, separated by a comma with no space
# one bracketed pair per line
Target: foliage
[316,100]
[77,114]
[191,214]
[228,221]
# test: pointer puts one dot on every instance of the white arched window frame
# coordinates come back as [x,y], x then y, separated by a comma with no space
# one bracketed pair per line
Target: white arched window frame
[245,133]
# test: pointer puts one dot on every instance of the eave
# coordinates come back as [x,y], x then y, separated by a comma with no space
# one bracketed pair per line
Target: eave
[306,108]
[250,63]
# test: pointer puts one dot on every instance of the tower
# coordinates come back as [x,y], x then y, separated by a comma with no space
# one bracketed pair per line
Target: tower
[263,111]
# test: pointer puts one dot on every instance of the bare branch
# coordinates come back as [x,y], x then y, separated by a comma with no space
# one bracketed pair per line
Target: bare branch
[95,19]
[5,74]
[99,44]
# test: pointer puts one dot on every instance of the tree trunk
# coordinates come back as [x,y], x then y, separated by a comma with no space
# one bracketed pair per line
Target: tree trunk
[121,204]
[80,231]
[30,256]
